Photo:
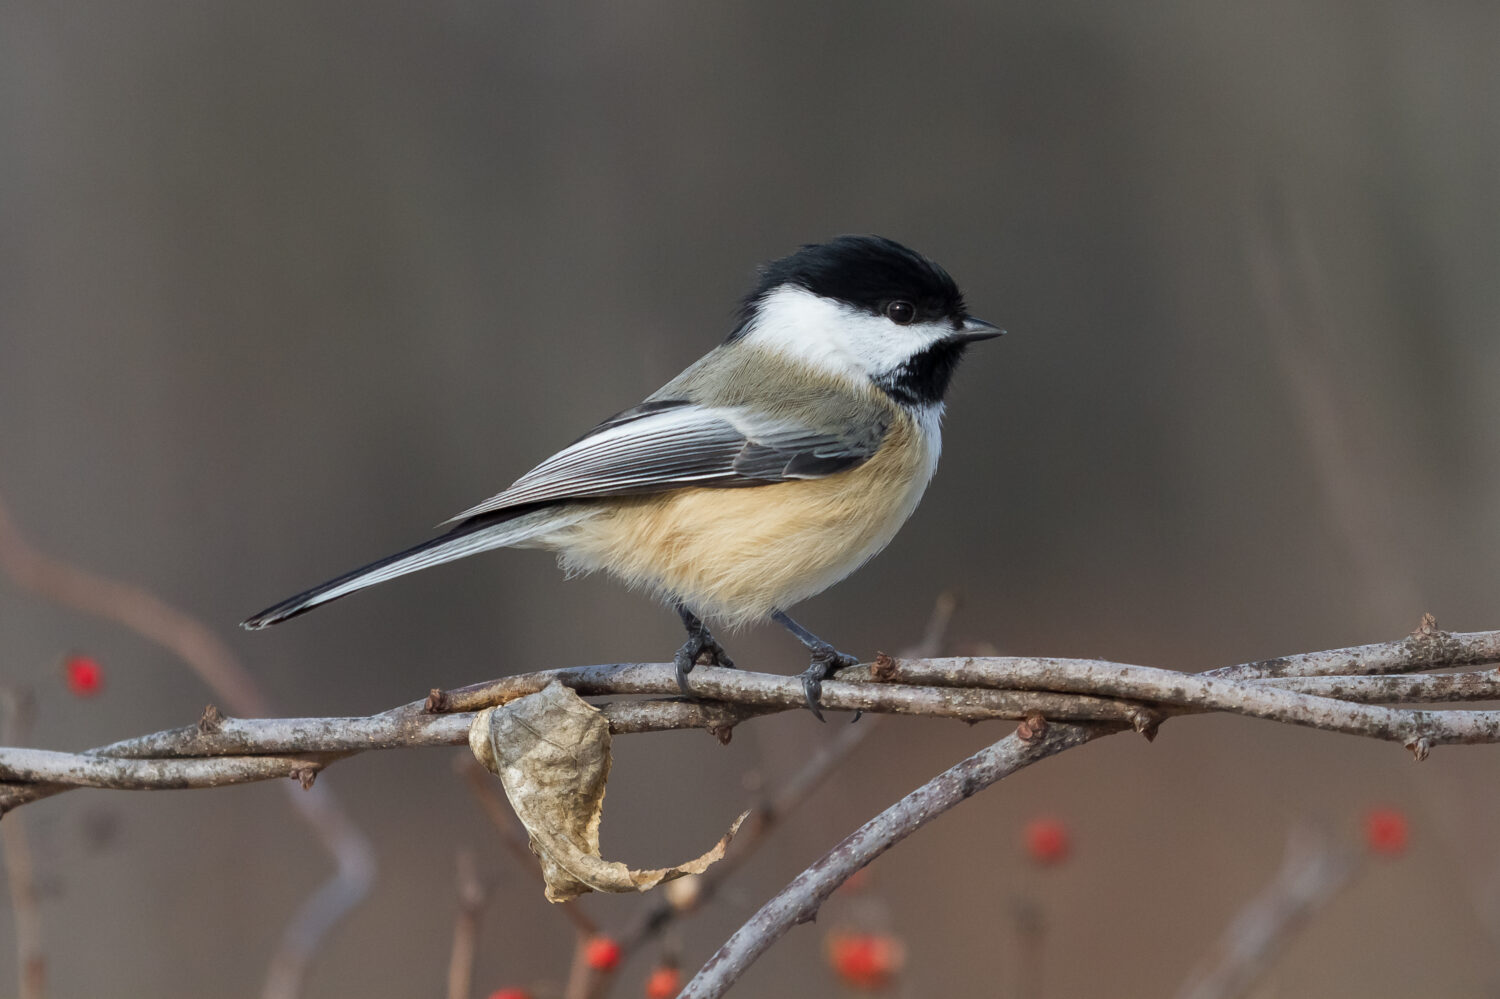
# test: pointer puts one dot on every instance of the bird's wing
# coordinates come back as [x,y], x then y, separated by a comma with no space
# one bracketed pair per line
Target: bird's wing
[668,444]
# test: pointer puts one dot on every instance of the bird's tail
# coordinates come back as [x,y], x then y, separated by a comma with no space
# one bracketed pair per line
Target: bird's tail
[499,530]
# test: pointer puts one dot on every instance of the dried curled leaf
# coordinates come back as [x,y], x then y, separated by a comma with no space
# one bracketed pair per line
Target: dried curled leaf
[551,752]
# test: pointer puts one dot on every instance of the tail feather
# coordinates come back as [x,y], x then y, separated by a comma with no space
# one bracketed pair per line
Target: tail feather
[476,535]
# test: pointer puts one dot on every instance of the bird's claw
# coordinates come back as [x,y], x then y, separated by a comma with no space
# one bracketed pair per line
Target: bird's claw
[812,689]
[699,650]
[825,662]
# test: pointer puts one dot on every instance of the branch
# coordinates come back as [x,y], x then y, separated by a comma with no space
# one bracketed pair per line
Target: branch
[775,692]
[1099,697]
[1417,730]
[799,901]
[653,919]
[77,770]
[223,751]
[1480,685]
[1425,648]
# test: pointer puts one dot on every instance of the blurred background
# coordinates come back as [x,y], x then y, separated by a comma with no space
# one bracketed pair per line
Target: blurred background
[283,285]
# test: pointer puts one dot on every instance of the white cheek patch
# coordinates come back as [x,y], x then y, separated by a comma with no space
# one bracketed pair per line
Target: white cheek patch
[837,338]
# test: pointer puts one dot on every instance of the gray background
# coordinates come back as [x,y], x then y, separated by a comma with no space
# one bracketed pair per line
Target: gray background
[283,284]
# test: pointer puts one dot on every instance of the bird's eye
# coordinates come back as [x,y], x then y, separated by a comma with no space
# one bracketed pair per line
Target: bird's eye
[901,313]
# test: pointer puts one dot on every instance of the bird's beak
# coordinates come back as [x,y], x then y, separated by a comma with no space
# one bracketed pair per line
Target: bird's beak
[976,329]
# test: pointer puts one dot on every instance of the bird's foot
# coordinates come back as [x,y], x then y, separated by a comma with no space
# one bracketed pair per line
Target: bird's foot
[826,660]
[701,649]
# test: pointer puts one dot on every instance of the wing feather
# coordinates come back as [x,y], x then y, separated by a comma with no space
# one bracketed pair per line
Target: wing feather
[673,444]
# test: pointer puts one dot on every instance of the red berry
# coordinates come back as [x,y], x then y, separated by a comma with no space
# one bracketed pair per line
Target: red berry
[602,954]
[510,993]
[865,960]
[84,675]
[1386,831]
[664,983]
[1047,841]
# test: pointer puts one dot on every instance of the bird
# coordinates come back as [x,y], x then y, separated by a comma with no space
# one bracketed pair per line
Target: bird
[767,471]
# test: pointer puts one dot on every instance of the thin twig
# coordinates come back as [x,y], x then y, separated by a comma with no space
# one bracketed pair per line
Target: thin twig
[1425,648]
[78,770]
[800,900]
[936,631]
[471,899]
[134,609]
[205,653]
[1412,728]
[1030,925]
[353,877]
[582,980]
[1479,685]
[1311,874]
[1350,451]
[31,960]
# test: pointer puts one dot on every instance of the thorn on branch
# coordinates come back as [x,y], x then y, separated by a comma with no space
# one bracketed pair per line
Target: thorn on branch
[723,732]
[1427,628]
[437,702]
[305,777]
[1420,747]
[1032,728]
[211,721]
[1146,723]
[883,669]
[1430,644]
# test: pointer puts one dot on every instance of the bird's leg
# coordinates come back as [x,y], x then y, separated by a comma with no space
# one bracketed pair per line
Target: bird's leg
[825,661]
[700,644]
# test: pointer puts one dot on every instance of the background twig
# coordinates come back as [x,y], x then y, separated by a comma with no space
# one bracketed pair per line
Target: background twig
[513,837]
[472,896]
[31,961]
[1311,874]
[195,644]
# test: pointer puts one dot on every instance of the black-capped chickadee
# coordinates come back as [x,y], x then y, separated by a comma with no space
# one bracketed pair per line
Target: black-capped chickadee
[766,472]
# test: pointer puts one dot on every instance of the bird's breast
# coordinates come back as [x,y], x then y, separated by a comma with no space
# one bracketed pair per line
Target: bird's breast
[736,555]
